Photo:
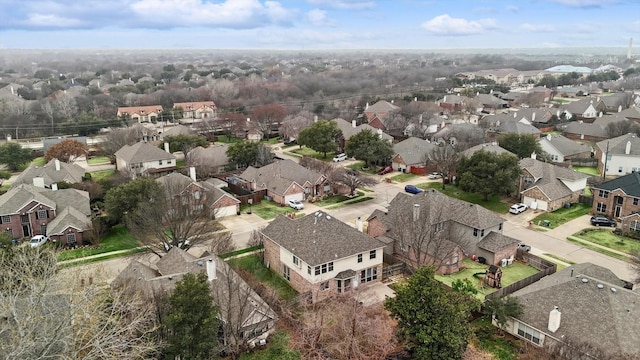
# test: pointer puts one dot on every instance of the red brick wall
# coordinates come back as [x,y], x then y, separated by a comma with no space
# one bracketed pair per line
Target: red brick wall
[627,203]
[375,228]
[62,239]
[34,224]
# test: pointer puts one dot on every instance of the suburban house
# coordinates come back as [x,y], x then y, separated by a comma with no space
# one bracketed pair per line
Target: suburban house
[220,203]
[617,102]
[445,229]
[549,187]
[490,147]
[176,131]
[63,215]
[320,255]
[410,155]
[619,199]
[243,314]
[537,116]
[489,103]
[196,110]
[546,93]
[582,131]
[632,113]
[350,129]
[457,133]
[210,160]
[453,103]
[381,109]
[562,149]
[586,109]
[150,113]
[53,172]
[143,159]
[517,127]
[285,180]
[620,154]
[582,306]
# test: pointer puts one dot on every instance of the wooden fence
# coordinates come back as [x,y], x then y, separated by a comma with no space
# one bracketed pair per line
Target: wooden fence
[545,268]
[391,266]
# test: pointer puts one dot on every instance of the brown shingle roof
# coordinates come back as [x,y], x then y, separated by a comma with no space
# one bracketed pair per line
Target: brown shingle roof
[548,177]
[142,152]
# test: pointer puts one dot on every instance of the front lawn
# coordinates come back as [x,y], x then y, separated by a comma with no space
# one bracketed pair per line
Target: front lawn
[267,209]
[335,199]
[305,151]
[489,340]
[39,161]
[358,167]
[493,204]
[403,177]
[589,170]
[118,238]
[562,215]
[253,265]
[277,349]
[102,174]
[608,239]
[510,274]
[227,139]
[95,160]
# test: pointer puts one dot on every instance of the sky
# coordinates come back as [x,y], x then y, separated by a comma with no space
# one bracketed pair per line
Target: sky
[317,24]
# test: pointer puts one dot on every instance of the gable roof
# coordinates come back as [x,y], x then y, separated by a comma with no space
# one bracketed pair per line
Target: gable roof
[629,184]
[548,178]
[535,115]
[213,155]
[564,145]
[177,182]
[589,129]
[70,173]
[139,110]
[319,238]
[279,175]
[517,127]
[413,150]
[489,99]
[495,241]
[348,130]
[142,152]
[618,145]
[580,106]
[179,130]
[68,217]
[381,107]
[489,147]
[630,113]
[599,316]
[16,198]
[195,105]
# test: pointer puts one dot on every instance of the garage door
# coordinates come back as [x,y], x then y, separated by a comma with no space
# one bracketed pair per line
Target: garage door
[225,211]
[299,196]
[535,203]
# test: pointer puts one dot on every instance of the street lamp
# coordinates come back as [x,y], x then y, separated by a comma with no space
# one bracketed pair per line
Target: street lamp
[250,201]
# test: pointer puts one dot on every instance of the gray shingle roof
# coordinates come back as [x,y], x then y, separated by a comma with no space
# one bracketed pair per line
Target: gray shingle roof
[348,130]
[178,130]
[279,175]
[618,145]
[580,128]
[382,107]
[319,239]
[489,99]
[606,319]
[413,150]
[516,127]
[489,147]
[565,146]
[580,106]
[542,115]
[548,177]
[214,155]
[629,184]
[70,173]
[495,241]
[16,198]
[142,152]
[68,217]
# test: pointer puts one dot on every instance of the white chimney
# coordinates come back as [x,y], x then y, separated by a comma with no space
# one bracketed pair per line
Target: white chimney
[627,149]
[533,155]
[554,319]
[515,115]
[619,108]
[38,181]
[359,224]
[12,92]
[600,114]
[444,99]
[211,270]
[416,212]
[533,117]
[548,137]
[366,106]
[57,162]
[597,99]
[392,101]
[415,98]
[248,119]
[380,133]
[54,186]
[192,173]
[315,118]
[353,123]
[166,147]
[8,137]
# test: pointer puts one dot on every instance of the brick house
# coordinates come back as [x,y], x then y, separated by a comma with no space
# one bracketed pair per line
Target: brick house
[562,149]
[445,229]
[350,129]
[196,110]
[621,154]
[453,103]
[380,109]
[549,187]
[210,160]
[53,172]
[582,131]
[286,180]
[141,114]
[320,255]
[619,199]
[143,159]
[410,155]
[28,210]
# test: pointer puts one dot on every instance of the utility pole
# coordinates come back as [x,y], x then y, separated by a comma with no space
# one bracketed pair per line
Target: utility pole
[606,158]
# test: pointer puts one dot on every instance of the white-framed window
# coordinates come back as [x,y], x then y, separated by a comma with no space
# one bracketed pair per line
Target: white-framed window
[359,258]
[482,233]
[529,333]
[324,268]
[372,254]
[309,269]
[296,261]
[71,238]
[500,227]
[620,169]
[368,275]
[10,232]
[603,194]
[41,214]
[475,232]
[6,219]
[601,207]
[324,285]
[439,226]
[159,162]
[286,272]
[635,225]
[635,201]
[197,195]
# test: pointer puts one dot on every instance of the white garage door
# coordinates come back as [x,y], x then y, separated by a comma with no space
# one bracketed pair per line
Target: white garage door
[540,205]
[225,211]
[299,196]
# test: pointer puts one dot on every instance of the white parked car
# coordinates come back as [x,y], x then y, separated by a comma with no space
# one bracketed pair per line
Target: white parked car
[518,208]
[296,204]
[340,157]
[434,175]
[38,240]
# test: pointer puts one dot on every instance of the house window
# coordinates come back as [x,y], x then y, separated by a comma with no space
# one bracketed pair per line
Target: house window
[635,201]
[603,194]
[439,226]
[286,272]
[529,333]
[324,268]
[635,225]
[475,232]
[619,169]
[359,258]
[601,207]
[309,269]
[71,238]
[6,219]
[168,162]
[43,229]
[368,275]
[609,157]
[296,261]
[10,232]
[197,195]
[24,219]
[159,162]
[324,285]
[372,254]
[500,227]
[482,233]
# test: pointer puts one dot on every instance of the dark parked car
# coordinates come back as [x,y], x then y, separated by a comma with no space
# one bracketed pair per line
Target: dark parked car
[524,247]
[385,170]
[602,221]
[290,142]
[411,189]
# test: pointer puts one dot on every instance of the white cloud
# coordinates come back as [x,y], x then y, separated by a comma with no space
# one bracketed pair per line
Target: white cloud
[317,17]
[538,27]
[584,3]
[52,21]
[344,4]
[634,26]
[513,9]
[446,25]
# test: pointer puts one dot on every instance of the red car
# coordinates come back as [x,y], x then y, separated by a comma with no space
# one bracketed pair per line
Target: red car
[385,170]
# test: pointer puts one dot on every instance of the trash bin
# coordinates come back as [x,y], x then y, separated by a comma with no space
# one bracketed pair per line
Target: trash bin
[546,223]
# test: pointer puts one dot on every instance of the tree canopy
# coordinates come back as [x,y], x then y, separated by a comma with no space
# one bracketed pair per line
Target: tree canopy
[501,309]
[321,136]
[185,143]
[523,145]
[248,153]
[369,147]
[125,198]
[13,155]
[488,173]
[67,150]
[431,320]
[190,319]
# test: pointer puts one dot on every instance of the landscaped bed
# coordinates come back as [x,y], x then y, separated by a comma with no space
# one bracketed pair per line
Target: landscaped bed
[562,215]
[312,153]
[118,238]
[358,166]
[253,265]
[493,204]
[336,199]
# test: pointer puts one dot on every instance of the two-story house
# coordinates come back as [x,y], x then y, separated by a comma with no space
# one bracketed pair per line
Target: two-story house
[210,160]
[196,110]
[411,155]
[620,155]
[586,110]
[548,187]
[150,113]
[53,172]
[434,229]
[350,129]
[143,159]
[63,215]
[562,149]
[619,199]
[320,255]
[380,109]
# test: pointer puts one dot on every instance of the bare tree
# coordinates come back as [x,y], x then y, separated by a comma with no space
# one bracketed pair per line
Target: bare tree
[352,179]
[264,155]
[66,105]
[119,137]
[445,158]
[292,124]
[618,128]
[223,90]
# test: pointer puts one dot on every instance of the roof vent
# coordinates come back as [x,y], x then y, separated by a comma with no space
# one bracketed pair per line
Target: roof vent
[613,290]
[328,217]
[585,280]
[600,286]
[200,263]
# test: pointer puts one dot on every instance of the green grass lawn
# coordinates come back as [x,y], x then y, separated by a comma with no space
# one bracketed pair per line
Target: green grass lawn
[253,265]
[107,256]
[102,174]
[274,140]
[312,153]
[561,101]
[118,238]
[335,199]
[608,239]
[181,163]
[39,161]
[227,139]
[591,246]
[403,177]
[587,170]
[277,349]
[98,160]
[493,204]
[562,215]
[267,209]
[358,167]
[489,340]
[349,202]
[510,274]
